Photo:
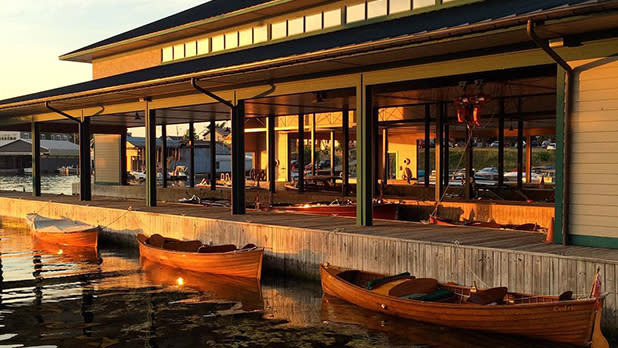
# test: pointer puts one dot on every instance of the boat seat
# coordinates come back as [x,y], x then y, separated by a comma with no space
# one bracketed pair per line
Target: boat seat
[187,246]
[249,246]
[156,240]
[380,281]
[414,286]
[566,296]
[438,295]
[489,296]
[216,248]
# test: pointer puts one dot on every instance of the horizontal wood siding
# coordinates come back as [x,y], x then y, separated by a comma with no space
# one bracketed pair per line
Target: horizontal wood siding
[107,158]
[594,149]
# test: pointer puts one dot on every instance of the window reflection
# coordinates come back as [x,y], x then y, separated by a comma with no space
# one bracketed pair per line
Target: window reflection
[313,22]
[376,8]
[218,43]
[191,49]
[167,54]
[423,3]
[245,37]
[332,18]
[179,51]
[397,6]
[260,34]
[279,30]
[296,26]
[203,46]
[231,40]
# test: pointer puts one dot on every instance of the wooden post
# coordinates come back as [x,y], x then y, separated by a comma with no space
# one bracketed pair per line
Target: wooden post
[445,150]
[124,178]
[151,162]
[385,155]
[332,156]
[36,159]
[528,159]
[375,126]
[426,144]
[501,143]
[520,153]
[469,165]
[192,154]
[364,146]
[438,155]
[238,158]
[301,153]
[271,146]
[345,162]
[313,154]
[213,155]
[85,191]
[164,154]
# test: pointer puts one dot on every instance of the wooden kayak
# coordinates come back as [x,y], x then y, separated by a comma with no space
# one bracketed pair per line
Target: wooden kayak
[246,291]
[63,232]
[227,260]
[387,211]
[538,317]
[530,227]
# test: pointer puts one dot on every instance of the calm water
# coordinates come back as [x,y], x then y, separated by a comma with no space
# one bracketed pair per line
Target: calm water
[56,184]
[51,297]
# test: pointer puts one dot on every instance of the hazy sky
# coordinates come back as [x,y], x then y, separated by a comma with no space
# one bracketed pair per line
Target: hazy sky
[36,32]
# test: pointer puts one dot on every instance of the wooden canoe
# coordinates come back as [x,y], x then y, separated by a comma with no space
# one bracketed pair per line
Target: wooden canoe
[246,291]
[538,317]
[386,211]
[238,263]
[63,232]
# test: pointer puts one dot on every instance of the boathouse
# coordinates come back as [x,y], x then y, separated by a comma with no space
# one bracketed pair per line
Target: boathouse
[491,111]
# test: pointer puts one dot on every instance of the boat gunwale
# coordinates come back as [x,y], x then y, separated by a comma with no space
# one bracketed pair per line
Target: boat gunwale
[467,307]
[230,253]
[31,218]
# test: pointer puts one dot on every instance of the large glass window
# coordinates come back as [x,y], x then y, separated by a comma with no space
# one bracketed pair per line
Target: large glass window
[179,51]
[397,6]
[313,22]
[279,30]
[355,13]
[296,26]
[376,8]
[332,18]
[231,40]
[245,37]
[218,43]
[423,3]
[191,49]
[260,34]
[203,46]
[167,54]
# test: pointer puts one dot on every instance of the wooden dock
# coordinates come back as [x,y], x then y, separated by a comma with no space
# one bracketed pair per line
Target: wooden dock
[297,244]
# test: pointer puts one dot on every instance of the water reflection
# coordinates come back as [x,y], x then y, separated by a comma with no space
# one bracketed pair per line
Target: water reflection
[55,184]
[109,299]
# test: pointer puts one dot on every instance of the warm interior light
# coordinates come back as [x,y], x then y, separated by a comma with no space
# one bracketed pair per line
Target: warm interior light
[180,281]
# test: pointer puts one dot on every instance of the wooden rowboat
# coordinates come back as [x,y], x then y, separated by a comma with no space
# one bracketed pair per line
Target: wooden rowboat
[540,317]
[387,211]
[63,232]
[224,259]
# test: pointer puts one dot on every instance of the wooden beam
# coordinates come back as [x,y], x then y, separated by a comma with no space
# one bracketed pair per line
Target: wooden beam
[150,120]
[501,143]
[36,159]
[213,155]
[520,154]
[192,154]
[271,147]
[445,149]
[301,153]
[426,144]
[85,191]
[468,194]
[124,179]
[364,157]
[238,158]
[345,175]
[332,156]
[528,160]
[438,156]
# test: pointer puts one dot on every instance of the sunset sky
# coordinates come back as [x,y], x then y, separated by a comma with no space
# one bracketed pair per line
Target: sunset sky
[36,32]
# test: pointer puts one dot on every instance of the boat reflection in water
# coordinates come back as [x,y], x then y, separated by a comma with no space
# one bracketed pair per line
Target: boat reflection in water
[405,332]
[65,253]
[247,292]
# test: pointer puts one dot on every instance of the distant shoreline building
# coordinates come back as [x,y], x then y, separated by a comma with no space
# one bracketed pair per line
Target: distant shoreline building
[16,155]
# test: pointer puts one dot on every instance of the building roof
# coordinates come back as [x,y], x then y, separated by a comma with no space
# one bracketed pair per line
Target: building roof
[209,9]
[60,148]
[140,142]
[424,23]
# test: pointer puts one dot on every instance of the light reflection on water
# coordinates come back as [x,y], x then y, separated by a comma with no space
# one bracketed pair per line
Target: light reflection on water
[108,299]
[56,184]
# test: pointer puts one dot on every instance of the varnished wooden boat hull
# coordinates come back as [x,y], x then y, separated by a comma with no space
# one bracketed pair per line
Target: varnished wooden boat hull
[568,321]
[380,211]
[246,264]
[87,239]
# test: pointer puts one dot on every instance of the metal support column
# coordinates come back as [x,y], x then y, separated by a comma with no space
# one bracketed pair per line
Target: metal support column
[36,159]
[501,144]
[528,160]
[271,146]
[164,154]
[301,153]
[438,155]
[375,148]
[469,165]
[151,153]
[192,154]
[85,189]
[332,156]
[520,153]
[213,155]
[124,178]
[238,158]
[426,144]
[345,160]
[364,159]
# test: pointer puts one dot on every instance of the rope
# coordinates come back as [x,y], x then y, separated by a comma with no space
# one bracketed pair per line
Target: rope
[129,209]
